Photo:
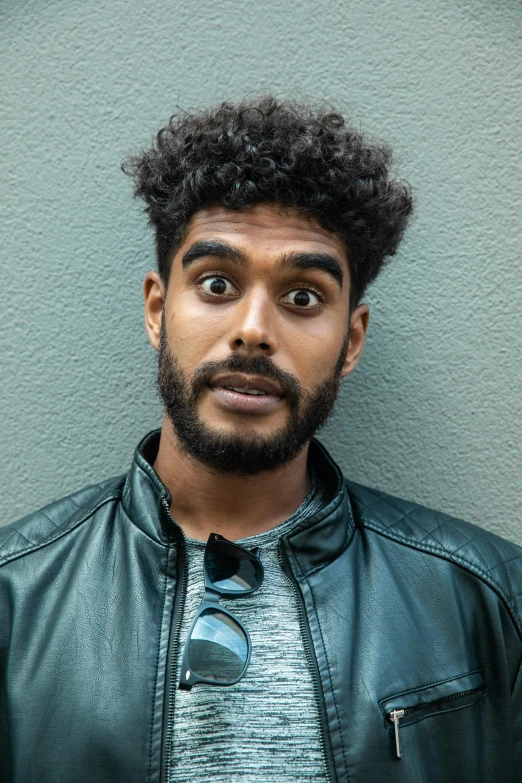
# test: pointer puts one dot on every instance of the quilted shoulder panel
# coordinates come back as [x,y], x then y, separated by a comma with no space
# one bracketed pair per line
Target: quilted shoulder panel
[496,561]
[42,526]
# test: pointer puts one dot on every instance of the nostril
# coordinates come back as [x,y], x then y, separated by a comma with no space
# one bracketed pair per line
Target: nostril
[239,343]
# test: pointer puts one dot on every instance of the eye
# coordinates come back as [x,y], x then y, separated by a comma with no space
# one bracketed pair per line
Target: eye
[303,297]
[217,285]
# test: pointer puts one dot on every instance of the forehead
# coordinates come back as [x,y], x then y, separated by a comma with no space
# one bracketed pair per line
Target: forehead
[264,228]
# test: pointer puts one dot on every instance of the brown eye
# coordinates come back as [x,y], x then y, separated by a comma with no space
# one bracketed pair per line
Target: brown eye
[217,285]
[303,298]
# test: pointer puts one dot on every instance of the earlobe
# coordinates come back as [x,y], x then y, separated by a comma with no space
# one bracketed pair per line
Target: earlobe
[154,300]
[346,368]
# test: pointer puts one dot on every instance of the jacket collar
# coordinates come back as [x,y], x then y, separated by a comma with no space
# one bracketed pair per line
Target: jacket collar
[315,542]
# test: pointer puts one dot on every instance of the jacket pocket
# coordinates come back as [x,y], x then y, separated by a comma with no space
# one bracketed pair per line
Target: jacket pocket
[410,706]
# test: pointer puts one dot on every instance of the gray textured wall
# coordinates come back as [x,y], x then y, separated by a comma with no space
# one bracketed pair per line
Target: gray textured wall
[433,411]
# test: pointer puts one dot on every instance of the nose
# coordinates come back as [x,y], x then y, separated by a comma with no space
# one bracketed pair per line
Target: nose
[253,327]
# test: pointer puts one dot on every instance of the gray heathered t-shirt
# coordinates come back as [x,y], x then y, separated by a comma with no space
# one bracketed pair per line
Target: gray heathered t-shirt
[264,729]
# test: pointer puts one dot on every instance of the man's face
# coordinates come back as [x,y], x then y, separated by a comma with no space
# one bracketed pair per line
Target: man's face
[253,336]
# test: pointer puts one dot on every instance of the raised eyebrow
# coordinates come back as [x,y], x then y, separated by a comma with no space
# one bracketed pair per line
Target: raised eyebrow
[219,250]
[324,262]
[321,261]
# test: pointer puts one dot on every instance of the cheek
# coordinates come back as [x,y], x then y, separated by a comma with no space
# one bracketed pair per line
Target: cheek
[193,335]
[315,353]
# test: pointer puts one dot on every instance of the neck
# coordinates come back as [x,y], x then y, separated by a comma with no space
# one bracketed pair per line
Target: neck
[204,501]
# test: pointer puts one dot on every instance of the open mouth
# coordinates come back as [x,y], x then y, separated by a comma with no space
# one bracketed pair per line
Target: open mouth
[239,390]
[251,385]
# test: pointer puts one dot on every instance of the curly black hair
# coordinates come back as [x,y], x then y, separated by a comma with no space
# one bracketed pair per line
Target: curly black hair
[266,150]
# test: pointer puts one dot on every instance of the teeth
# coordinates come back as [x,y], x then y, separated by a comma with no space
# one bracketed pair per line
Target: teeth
[245,391]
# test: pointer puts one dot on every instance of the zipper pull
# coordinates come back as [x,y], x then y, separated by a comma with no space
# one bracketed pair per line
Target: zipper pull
[395,717]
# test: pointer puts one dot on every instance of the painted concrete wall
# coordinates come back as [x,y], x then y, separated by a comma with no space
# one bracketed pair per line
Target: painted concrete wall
[433,412]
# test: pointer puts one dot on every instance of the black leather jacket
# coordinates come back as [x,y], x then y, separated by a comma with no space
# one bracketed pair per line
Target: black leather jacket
[404,609]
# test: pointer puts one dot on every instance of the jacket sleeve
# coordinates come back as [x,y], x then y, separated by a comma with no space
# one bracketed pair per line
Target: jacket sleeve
[516,701]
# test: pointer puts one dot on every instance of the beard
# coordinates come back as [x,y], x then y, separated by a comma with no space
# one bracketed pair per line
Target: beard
[243,455]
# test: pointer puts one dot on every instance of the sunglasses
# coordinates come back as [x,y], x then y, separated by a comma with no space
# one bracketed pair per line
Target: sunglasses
[218,647]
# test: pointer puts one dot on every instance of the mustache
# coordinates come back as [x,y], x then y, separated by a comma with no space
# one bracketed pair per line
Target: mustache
[255,365]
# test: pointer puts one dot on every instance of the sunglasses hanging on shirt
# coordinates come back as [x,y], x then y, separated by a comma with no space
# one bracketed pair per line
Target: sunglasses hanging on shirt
[218,647]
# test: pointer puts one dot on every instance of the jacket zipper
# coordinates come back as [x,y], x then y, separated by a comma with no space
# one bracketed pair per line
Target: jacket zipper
[396,715]
[312,662]
[179,599]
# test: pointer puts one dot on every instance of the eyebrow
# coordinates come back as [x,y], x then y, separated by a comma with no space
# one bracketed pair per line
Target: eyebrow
[324,262]
[216,249]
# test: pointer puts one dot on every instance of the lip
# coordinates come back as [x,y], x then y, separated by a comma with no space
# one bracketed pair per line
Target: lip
[245,403]
[248,382]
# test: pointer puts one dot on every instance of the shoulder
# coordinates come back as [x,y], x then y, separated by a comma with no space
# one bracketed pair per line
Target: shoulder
[493,559]
[56,519]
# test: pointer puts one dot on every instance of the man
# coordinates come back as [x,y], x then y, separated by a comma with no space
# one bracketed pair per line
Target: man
[233,608]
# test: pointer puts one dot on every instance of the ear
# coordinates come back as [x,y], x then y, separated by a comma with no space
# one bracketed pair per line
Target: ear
[358,327]
[154,295]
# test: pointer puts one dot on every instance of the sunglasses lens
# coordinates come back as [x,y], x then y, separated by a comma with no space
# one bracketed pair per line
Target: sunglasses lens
[218,647]
[232,568]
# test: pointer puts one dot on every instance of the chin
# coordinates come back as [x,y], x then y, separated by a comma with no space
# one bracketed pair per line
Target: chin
[245,430]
